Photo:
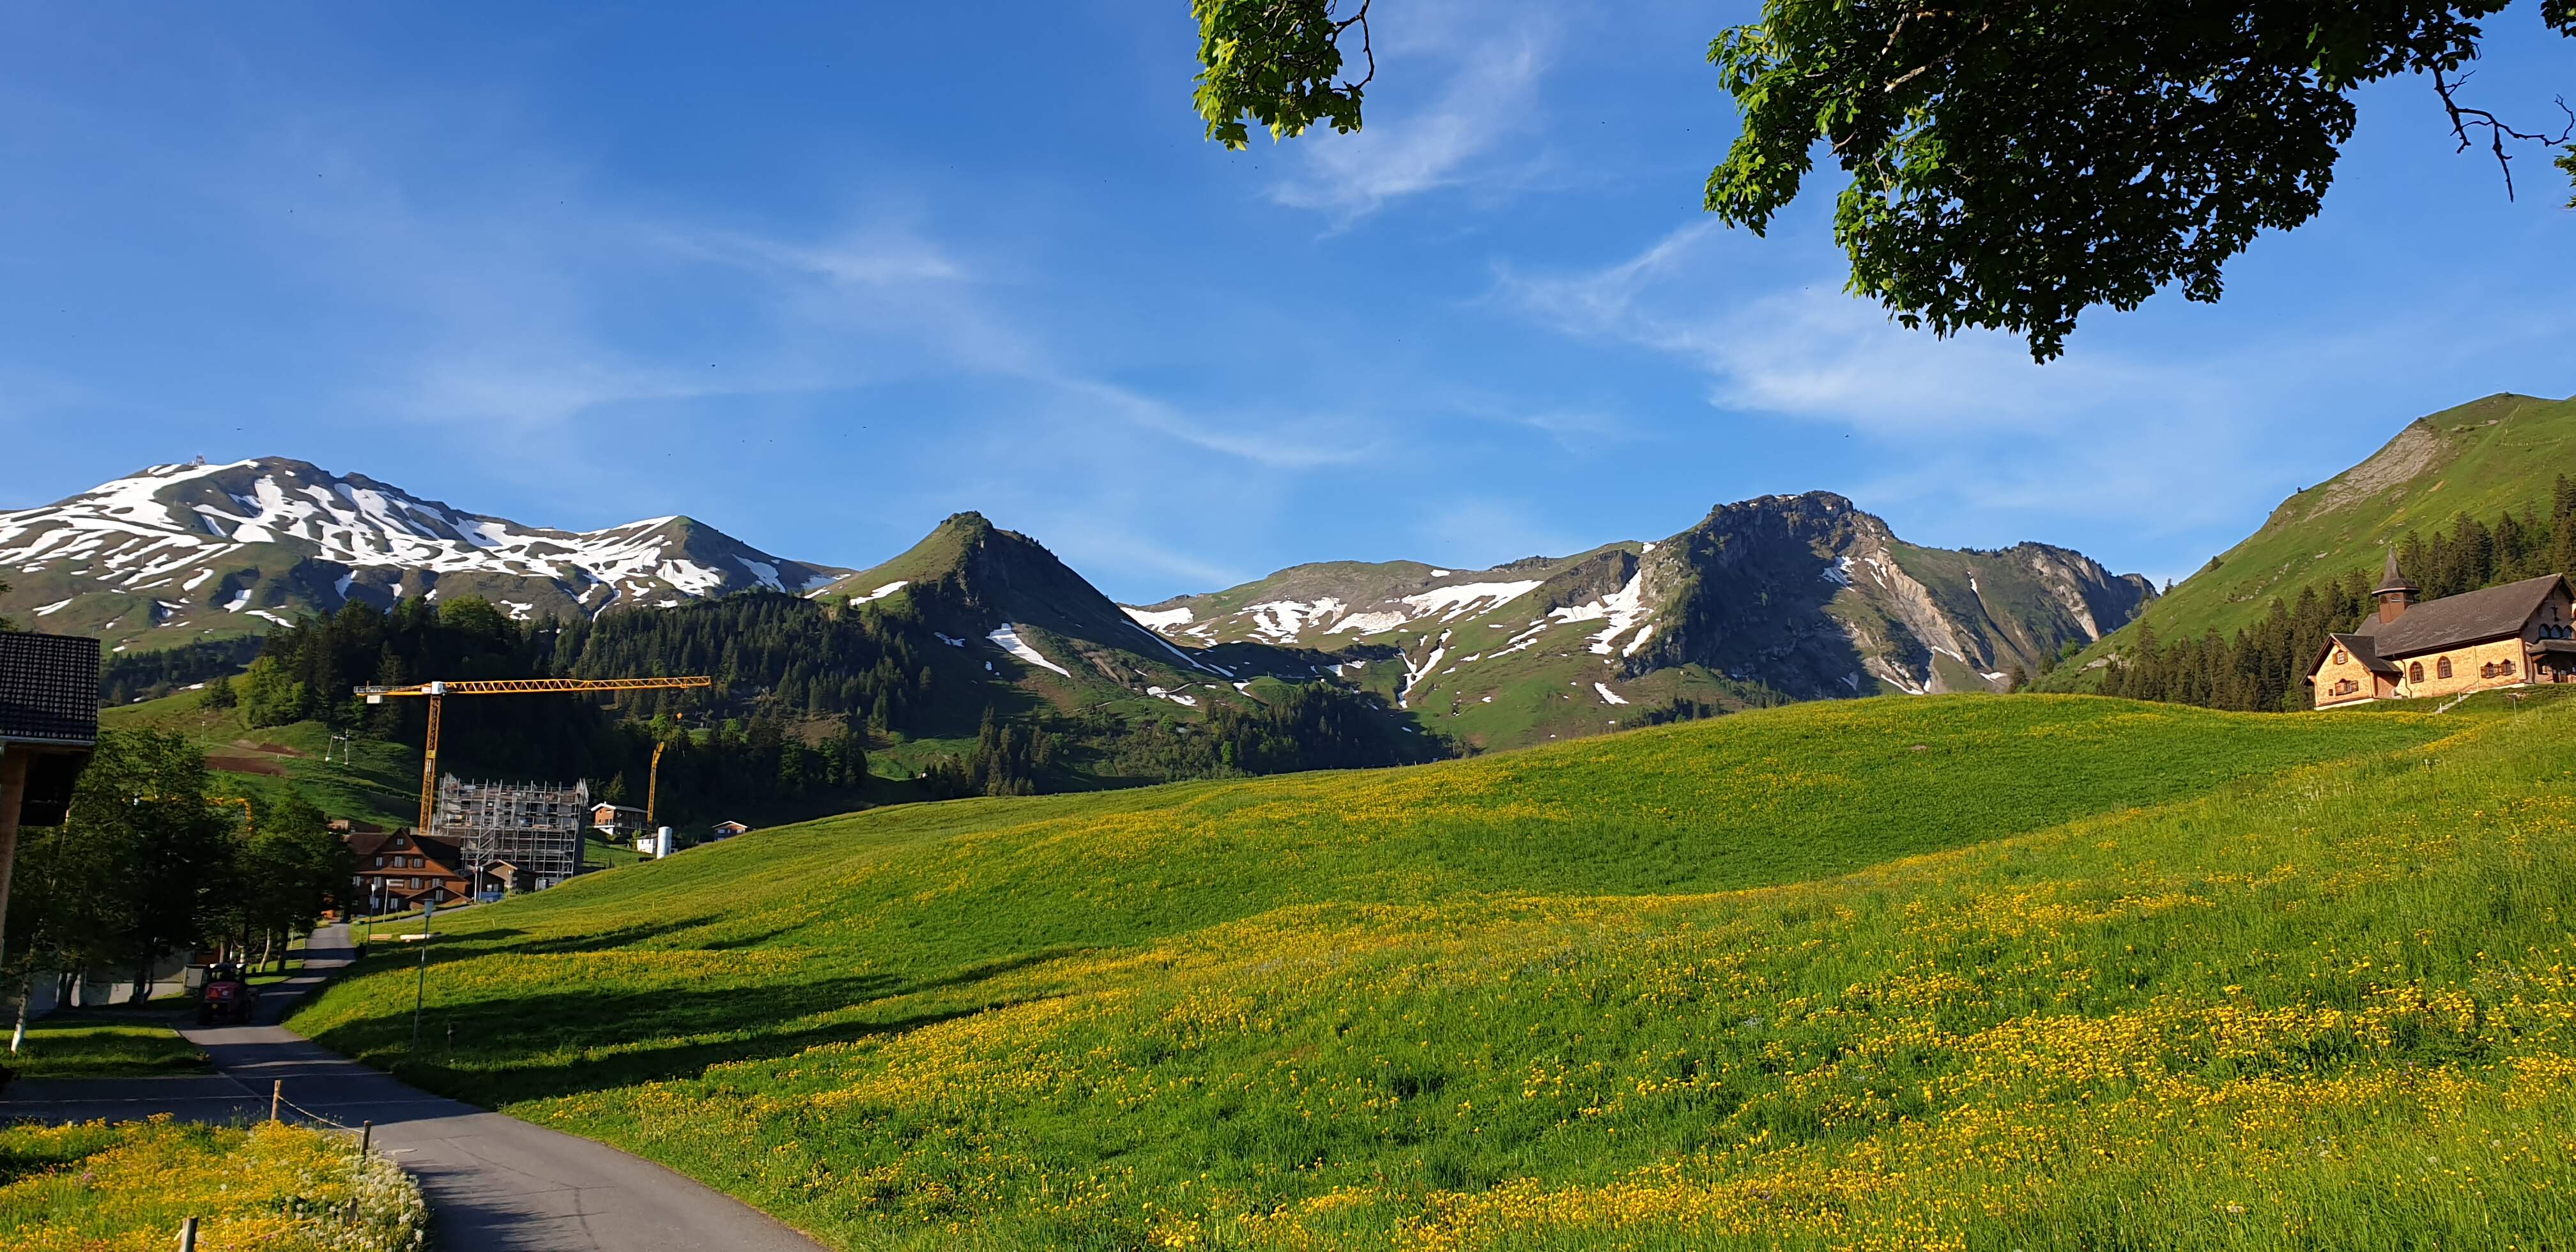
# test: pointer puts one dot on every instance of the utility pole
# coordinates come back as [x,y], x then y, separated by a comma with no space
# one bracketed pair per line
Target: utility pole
[420,987]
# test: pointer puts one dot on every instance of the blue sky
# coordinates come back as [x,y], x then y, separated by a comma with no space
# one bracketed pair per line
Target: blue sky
[822,275]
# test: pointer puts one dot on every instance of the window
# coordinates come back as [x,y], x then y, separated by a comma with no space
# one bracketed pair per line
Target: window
[2342,657]
[2487,670]
[415,883]
[401,842]
[380,862]
[2442,668]
[2504,669]
[2415,672]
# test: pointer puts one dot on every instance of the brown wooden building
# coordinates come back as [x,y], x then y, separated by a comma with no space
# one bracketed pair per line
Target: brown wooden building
[397,869]
[2506,636]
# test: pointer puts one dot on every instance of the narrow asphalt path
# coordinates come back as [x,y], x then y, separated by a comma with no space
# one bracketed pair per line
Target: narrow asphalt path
[493,1182]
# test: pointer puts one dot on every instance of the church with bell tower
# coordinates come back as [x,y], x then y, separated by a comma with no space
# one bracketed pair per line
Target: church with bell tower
[2507,636]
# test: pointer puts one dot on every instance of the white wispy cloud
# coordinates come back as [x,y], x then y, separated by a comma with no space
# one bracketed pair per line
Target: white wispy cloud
[876,257]
[1290,442]
[1805,349]
[1475,127]
[1965,429]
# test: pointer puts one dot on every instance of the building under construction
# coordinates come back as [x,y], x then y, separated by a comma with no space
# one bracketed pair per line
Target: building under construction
[514,835]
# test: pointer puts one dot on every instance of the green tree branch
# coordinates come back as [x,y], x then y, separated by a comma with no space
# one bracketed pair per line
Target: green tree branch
[2007,164]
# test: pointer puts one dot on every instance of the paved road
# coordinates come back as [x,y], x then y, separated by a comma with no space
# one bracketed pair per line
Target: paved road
[493,1182]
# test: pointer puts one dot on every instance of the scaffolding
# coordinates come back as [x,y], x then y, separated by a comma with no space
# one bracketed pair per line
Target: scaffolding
[533,828]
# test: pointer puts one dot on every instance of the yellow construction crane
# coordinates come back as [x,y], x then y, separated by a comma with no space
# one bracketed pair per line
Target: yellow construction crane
[436,693]
[653,784]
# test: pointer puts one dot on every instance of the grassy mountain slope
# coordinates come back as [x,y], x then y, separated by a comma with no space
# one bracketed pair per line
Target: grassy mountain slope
[1681,987]
[1041,628]
[2483,458]
[378,783]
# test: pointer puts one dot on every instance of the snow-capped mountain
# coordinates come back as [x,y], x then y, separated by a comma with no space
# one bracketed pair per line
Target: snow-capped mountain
[1783,597]
[200,550]
[997,593]
[1795,597]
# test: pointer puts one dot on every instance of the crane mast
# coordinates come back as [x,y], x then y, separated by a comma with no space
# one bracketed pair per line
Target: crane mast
[437,692]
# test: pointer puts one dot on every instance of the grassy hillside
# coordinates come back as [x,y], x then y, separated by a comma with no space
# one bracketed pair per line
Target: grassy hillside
[380,783]
[1660,989]
[2501,453]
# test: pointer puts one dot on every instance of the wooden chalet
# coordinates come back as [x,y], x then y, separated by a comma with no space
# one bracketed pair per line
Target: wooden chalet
[399,869]
[2508,636]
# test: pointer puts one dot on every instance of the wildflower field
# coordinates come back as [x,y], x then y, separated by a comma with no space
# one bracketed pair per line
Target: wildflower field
[1971,972]
[106,1187]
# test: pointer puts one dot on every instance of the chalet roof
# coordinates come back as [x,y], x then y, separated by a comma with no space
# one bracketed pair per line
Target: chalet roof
[2363,650]
[440,853]
[48,688]
[2462,619]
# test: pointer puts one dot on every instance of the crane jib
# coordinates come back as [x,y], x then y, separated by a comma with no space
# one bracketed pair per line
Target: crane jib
[532,686]
[435,691]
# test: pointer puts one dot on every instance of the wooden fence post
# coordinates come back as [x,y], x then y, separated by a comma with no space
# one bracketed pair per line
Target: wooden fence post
[276,1097]
[188,1235]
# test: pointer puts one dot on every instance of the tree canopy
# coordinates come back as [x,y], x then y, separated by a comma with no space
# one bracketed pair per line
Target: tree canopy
[2008,163]
[150,862]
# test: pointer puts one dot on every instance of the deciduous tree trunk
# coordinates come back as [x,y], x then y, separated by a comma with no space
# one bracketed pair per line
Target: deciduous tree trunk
[13,792]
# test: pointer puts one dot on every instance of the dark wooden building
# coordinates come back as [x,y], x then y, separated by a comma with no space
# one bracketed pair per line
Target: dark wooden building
[48,726]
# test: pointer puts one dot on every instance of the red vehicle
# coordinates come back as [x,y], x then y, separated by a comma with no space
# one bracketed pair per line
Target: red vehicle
[226,996]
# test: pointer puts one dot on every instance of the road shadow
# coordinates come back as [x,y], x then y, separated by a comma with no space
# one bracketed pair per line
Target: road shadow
[562,1043]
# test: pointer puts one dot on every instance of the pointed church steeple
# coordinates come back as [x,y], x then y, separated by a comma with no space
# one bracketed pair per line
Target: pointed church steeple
[2393,592]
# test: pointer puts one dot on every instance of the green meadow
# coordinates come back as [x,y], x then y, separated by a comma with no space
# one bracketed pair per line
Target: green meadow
[81,1043]
[1956,972]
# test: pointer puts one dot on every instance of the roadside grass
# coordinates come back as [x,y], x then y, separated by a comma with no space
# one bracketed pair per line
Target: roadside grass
[76,1043]
[271,1187]
[1783,978]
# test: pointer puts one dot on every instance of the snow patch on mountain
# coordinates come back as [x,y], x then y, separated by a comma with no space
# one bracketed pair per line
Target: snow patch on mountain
[1465,599]
[1159,619]
[1414,674]
[1008,640]
[171,519]
[1283,620]
[1371,623]
[1621,609]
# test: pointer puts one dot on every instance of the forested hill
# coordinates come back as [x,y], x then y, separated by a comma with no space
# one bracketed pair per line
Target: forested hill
[806,693]
[2469,497]
[2264,666]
